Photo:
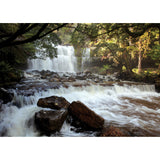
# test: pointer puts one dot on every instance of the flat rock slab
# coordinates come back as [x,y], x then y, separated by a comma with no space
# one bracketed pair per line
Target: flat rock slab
[53,102]
[88,119]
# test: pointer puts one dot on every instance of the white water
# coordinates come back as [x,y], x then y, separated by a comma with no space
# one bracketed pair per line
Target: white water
[111,102]
[65,61]
[85,57]
[128,105]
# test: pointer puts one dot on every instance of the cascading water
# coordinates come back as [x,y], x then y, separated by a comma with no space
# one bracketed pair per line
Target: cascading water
[127,105]
[65,61]
[85,57]
[122,105]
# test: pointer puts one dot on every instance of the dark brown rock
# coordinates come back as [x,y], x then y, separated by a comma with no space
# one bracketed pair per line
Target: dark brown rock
[49,122]
[128,131]
[1,102]
[138,132]
[82,116]
[112,132]
[53,102]
[5,96]
[157,84]
[71,79]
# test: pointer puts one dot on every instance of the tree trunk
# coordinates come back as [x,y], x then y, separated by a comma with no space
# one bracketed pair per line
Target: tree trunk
[140,62]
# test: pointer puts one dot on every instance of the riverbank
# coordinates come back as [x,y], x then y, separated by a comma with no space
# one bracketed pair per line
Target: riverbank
[145,78]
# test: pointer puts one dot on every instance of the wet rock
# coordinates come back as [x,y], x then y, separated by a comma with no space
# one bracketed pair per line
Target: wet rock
[64,79]
[87,72]
[80,84]
[138,132]
[54,80]
[112,132]
[48,74]
[122,131]
[30,88]
[43,77]
[5,95]
[1,102]
[71,79]
[81,77]
[3,132]
[53,102]
[83,117]
[26,93]
[157,84]
[48,122]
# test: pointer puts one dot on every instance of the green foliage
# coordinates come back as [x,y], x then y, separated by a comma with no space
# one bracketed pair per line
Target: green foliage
[106,66]
[8,73]
[84,33]
[20,53]
[5,67]
[14,53]
[155,53]
[16,56]
[65,34]
[121,43]
[46,45]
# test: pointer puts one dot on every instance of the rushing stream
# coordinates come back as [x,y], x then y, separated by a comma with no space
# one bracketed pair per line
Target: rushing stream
[128,105]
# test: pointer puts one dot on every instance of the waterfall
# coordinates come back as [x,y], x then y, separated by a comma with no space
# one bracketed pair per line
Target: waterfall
[65,61]
[85,58]
[123,104]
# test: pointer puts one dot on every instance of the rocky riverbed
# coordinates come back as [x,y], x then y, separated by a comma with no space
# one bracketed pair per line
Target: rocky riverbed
[47,103]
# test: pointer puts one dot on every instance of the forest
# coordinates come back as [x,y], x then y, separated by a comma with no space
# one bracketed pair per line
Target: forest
[79,79]
[131,49]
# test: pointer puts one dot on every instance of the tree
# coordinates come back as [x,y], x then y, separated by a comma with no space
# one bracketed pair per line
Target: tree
[143,47]
[20,41]
[25,33]
[132,39]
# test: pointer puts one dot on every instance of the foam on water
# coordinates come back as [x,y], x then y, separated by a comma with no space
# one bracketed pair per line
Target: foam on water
[116,104]
[106,101]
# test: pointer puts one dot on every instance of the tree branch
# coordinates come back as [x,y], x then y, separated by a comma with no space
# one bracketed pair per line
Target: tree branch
[53,30]
[145,28]
[34,37]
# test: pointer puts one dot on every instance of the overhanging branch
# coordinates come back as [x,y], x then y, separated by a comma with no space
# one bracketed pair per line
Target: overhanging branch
[25,28]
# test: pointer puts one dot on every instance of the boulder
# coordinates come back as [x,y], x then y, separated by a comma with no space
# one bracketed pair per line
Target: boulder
[48,122]
[5,96]
[83,117]
[53,102]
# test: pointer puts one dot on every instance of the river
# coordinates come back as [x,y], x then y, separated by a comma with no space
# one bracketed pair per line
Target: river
[122,104]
